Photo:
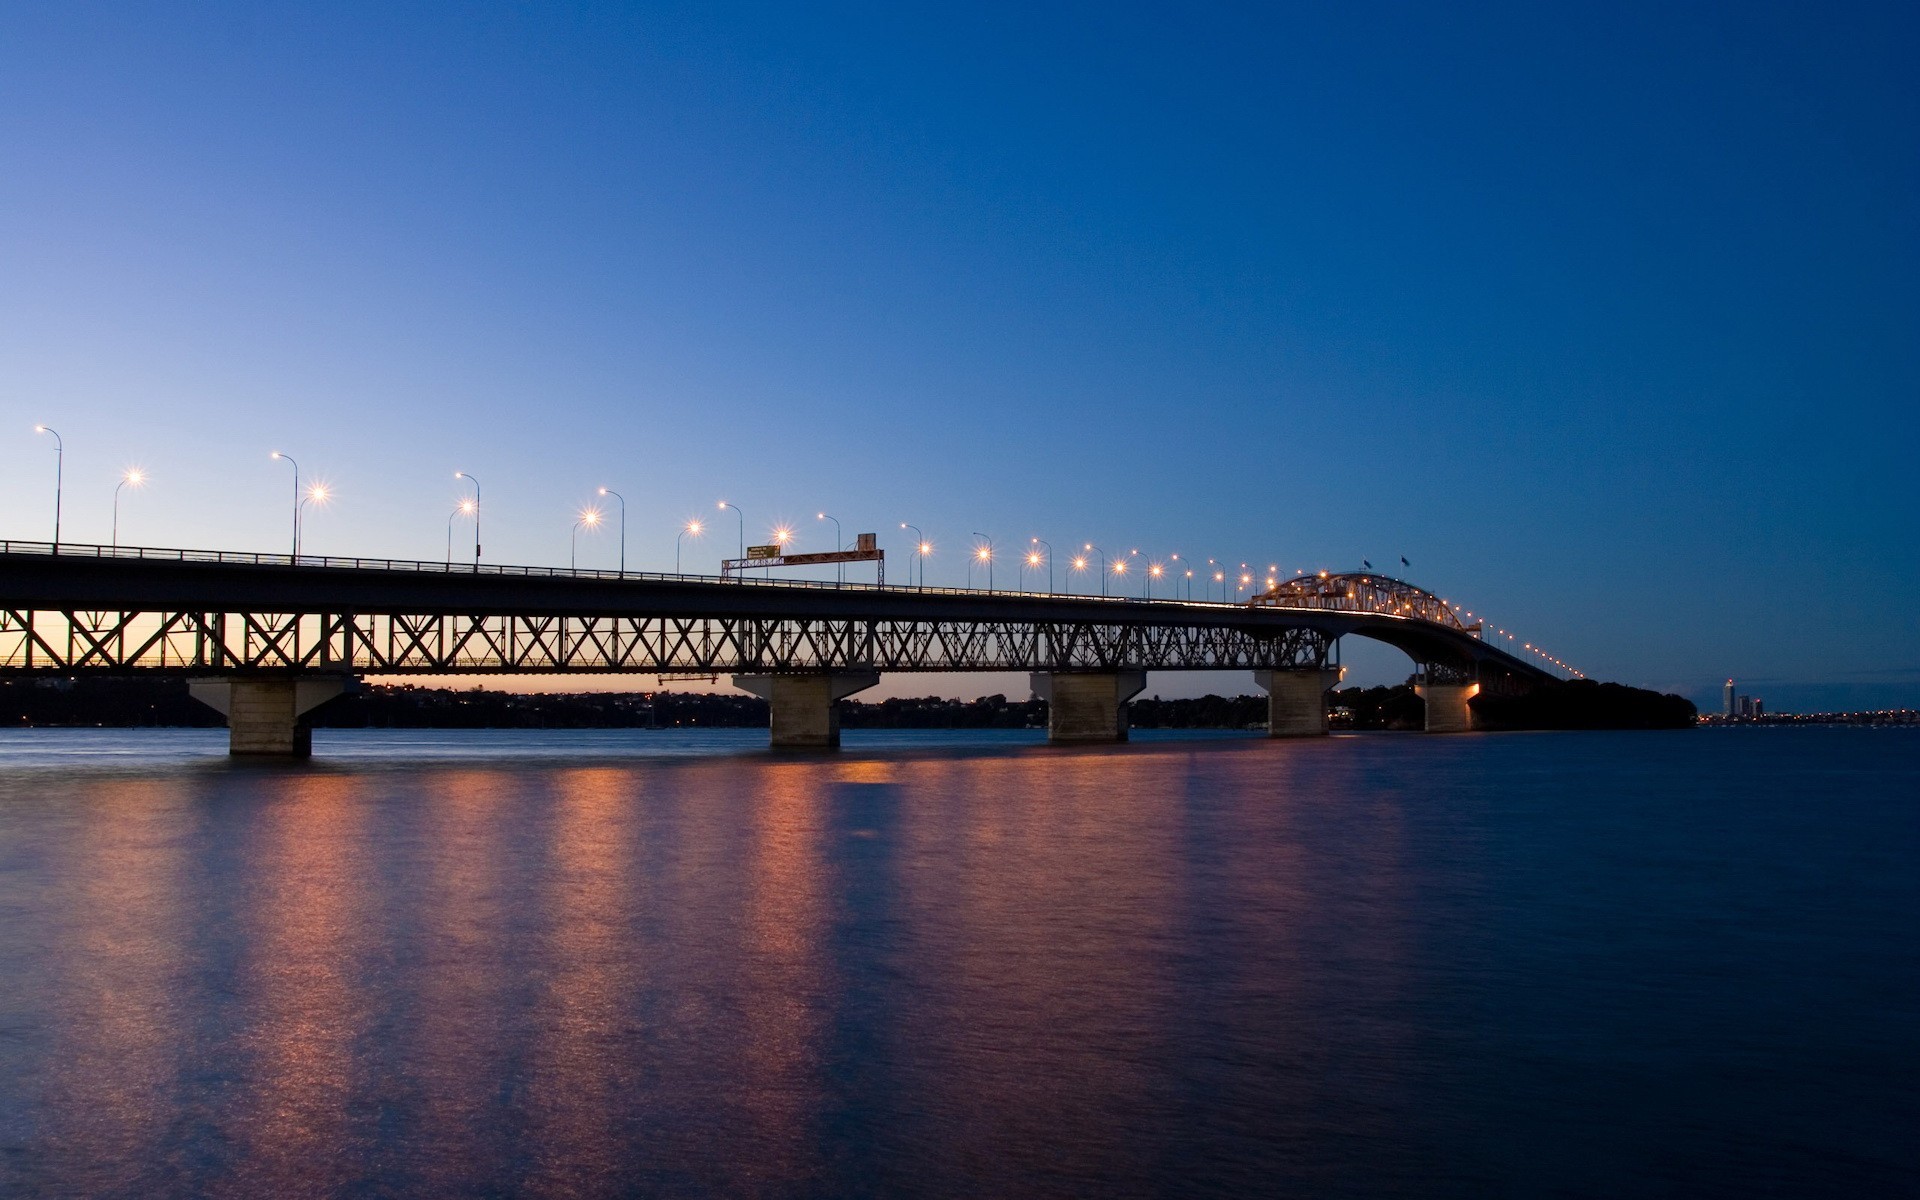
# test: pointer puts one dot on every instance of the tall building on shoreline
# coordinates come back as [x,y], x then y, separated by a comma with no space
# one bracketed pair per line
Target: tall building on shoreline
[1732,702]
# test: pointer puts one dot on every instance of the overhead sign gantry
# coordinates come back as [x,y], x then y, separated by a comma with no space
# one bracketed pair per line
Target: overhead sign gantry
[866,549]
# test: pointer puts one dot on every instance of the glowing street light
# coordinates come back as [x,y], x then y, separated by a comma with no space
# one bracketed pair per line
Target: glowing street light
[743,525]
[466,508]
[1049,547]
[475,510]
[693,527]
[59,470]
[288,458]
[839,543]
[623,525]
[1153,572]
[590,517]
[1093,549]
[782,536]
[317,495]
[921,549]
[982,554]
[134,476]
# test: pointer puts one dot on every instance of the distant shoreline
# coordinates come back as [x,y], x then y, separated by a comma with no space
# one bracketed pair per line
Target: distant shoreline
[96,703]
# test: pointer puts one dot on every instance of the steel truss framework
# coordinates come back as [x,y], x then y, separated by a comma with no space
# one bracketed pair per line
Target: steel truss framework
[1360,592]
[198,643]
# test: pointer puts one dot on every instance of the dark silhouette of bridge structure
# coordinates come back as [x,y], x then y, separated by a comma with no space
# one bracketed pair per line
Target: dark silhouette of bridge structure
[267,638]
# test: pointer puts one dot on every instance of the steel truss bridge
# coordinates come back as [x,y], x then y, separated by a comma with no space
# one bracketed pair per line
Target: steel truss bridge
[92,610]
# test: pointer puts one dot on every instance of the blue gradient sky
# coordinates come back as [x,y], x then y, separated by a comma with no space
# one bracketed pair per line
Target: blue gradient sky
[1604,318]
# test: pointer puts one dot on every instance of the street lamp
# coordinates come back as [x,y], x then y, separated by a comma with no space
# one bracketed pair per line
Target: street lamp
[1079,563]
[59,470]
[743,525]
[691,527]
[1093,549]
[623,525]
[839,544]
[1153,572]
[134,476]
[465,508]
[590,517]
[316,495]
[985,554]
[1038,542]
[296,498]
[921,549]
[475,510]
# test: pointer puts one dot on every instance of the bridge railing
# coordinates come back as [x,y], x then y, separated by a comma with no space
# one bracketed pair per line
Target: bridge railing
[417,566]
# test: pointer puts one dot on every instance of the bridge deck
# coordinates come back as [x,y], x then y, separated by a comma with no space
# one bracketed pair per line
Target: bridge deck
[105,609]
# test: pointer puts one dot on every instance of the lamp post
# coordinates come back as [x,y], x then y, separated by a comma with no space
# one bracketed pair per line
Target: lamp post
[475,510]
[296,498]
[59,470]
[623,525]
[464,508]
[691,527]
[985,554]
[1049,546]
[920,550]
[1153,572]
[134,476]
[591,519]
[315,495]
[743,525]
[839,543]
[1093,549]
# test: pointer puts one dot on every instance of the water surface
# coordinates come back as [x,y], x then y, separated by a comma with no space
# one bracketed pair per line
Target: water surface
[667,963]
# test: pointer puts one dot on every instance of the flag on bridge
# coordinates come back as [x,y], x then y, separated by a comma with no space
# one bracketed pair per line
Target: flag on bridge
[1366,564]
[1404,562]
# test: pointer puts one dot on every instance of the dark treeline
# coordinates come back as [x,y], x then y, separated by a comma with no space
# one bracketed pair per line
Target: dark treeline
[1585,704]
[164,702]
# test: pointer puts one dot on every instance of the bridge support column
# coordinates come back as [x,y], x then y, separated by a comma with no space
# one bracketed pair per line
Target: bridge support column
[1088,706]
[803,711]
[1297,700]
[1447,708]
[267,716]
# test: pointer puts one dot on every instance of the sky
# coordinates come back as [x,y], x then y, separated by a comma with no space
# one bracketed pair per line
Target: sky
[1603,316]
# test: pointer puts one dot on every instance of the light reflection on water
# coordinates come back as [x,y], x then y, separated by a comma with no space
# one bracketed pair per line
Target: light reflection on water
[592,963]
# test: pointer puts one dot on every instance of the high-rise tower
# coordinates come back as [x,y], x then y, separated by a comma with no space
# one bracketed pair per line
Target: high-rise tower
[1732,703]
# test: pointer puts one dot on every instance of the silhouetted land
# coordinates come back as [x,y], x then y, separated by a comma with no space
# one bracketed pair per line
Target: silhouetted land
[164,702]
[1585,704]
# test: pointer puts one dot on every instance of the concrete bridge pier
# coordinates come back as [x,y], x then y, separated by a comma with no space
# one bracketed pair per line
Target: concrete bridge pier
[1447,708]
[268,717]
[1087,706]
[1297,700]
[803,711]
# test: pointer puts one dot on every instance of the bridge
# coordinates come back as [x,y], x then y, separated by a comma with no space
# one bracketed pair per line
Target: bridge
[267,638]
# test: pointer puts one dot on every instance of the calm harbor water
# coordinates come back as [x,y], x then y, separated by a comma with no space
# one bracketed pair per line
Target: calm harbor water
[664,963]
